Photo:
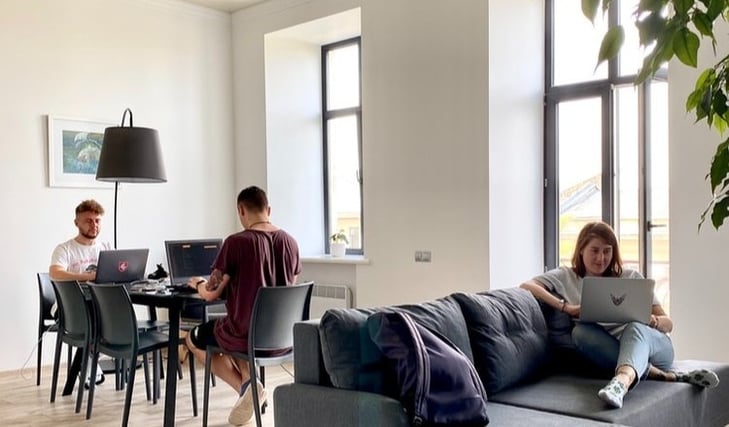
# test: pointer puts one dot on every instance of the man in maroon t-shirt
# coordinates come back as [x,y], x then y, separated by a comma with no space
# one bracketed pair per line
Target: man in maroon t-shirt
[260,255]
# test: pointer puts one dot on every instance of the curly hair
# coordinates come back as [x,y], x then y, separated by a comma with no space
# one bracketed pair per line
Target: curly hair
[604,232]
[90,205]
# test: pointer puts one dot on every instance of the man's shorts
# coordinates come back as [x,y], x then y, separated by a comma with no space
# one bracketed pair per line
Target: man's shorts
[203,335]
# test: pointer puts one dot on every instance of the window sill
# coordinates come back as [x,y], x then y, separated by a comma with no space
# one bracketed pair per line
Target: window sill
[328,259]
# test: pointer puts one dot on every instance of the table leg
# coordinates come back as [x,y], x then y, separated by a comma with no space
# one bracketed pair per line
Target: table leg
[172,362]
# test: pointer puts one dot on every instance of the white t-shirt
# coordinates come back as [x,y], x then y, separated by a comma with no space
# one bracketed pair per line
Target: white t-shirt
[75,257]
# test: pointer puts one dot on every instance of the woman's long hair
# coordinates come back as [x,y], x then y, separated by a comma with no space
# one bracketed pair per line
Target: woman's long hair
[605,233]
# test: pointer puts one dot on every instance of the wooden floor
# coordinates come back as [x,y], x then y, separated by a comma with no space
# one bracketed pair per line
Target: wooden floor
[22,403]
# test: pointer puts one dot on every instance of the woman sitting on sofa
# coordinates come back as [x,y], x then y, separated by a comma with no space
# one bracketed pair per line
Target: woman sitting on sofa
[632,351]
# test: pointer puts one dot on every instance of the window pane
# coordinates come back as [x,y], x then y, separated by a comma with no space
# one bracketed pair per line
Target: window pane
[344,189]
[576,44]
[631,54]
[658,235]
[627,225]
[579,133]
[343,77]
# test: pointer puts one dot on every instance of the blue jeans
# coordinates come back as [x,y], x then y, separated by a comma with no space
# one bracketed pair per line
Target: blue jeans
[639,347]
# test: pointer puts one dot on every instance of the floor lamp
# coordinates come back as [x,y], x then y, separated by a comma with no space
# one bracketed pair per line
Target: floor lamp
[130,154]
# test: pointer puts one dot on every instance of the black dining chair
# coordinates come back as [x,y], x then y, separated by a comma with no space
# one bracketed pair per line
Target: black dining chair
[47,322]
[74,329]
[275,311]
[118,336]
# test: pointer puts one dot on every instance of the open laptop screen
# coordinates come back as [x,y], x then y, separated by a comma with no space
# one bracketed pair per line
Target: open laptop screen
[121,265]
[190,258]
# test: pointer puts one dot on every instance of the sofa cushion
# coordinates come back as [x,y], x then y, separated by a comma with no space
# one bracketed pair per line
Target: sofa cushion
[650,403]
[354,362]
[508,336]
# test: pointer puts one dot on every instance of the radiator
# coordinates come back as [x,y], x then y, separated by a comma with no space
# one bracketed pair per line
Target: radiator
[326,296]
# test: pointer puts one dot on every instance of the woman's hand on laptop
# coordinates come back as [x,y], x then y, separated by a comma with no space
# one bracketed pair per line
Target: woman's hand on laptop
[572,310]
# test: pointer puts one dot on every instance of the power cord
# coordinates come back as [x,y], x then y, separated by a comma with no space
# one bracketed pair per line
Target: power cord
[32,351]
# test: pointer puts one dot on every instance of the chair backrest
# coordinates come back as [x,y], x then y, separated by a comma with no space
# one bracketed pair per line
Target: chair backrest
[73,311]
[275,311]
[47,296]
[116,321]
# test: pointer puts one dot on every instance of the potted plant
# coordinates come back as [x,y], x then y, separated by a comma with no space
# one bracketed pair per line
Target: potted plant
[671,28]
[339,243]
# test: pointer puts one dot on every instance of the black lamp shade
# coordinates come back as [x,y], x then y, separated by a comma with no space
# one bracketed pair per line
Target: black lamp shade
[131,154]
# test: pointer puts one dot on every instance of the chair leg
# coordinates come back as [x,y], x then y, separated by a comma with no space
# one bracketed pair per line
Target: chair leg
[179,369]
[206,388]
[82,378]
[92,385]
[117,374]
[262,376]
[130,389]
[40,353]
[70,360]
[146,376]
[193,385]
[254,392]
[56,362]
[212,379]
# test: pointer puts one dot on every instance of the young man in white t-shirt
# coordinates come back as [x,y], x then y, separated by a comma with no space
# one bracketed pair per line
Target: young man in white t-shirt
[76,259]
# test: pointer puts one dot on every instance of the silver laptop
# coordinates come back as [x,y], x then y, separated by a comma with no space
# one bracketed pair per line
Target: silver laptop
[121,265]
[616,300]
[190,258]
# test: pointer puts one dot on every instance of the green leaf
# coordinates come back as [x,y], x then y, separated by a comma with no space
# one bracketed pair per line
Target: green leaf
[703,24]
[720,212]
[611,44]
[706,76]
[693,99]
[719,103]
[650,27]
[650,5]
[719,165]
[686,47]
[714,10]
[719,124]
[681,7]
[589,9]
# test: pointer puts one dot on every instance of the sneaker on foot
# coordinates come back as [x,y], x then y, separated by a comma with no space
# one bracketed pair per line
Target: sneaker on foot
[99,380]
[613,393]
[700,377]
[242,411]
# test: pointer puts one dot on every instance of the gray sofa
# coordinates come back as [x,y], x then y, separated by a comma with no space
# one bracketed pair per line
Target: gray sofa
[341,378]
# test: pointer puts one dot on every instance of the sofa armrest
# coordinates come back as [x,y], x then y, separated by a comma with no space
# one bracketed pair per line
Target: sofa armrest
[308,361]
[302,405]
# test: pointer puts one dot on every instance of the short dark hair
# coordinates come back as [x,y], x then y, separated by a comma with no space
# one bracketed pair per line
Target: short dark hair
[602,231]
[90,205]
[253,199]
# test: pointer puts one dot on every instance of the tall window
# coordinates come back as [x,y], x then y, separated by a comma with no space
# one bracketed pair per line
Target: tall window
[606,142]
[342,131]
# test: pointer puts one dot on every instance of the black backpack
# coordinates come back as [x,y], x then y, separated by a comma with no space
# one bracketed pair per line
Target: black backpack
[438,384]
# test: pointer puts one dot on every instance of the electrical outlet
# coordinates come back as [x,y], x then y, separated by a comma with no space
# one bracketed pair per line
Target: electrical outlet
[422,256]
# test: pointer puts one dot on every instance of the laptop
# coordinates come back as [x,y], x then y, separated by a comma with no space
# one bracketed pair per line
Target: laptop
[190,258]
[616,300]
[121,265]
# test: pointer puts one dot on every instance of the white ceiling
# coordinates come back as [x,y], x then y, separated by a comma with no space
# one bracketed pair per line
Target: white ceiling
[225,5]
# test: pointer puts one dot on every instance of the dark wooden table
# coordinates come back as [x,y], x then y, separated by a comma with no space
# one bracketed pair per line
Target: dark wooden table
[174,302]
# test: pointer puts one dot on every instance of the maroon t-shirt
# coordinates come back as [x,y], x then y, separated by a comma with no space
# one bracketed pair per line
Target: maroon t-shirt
[252,259]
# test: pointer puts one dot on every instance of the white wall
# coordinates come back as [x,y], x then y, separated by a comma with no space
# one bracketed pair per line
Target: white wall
[425,154]
[699,281]
[171,64]
[516,90]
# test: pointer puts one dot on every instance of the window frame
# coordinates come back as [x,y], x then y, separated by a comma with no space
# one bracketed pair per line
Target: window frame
[606,90]
[327,115]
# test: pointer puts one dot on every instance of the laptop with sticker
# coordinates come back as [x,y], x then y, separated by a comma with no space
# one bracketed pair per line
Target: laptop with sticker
[121,265]
[616,300]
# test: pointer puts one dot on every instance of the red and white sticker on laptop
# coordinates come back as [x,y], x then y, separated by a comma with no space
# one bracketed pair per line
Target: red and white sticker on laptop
[123,266]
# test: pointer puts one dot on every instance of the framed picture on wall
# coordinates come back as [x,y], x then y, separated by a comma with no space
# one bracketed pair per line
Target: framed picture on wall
[74,146]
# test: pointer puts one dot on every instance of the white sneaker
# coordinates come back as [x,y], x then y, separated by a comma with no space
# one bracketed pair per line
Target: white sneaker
[242,411]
